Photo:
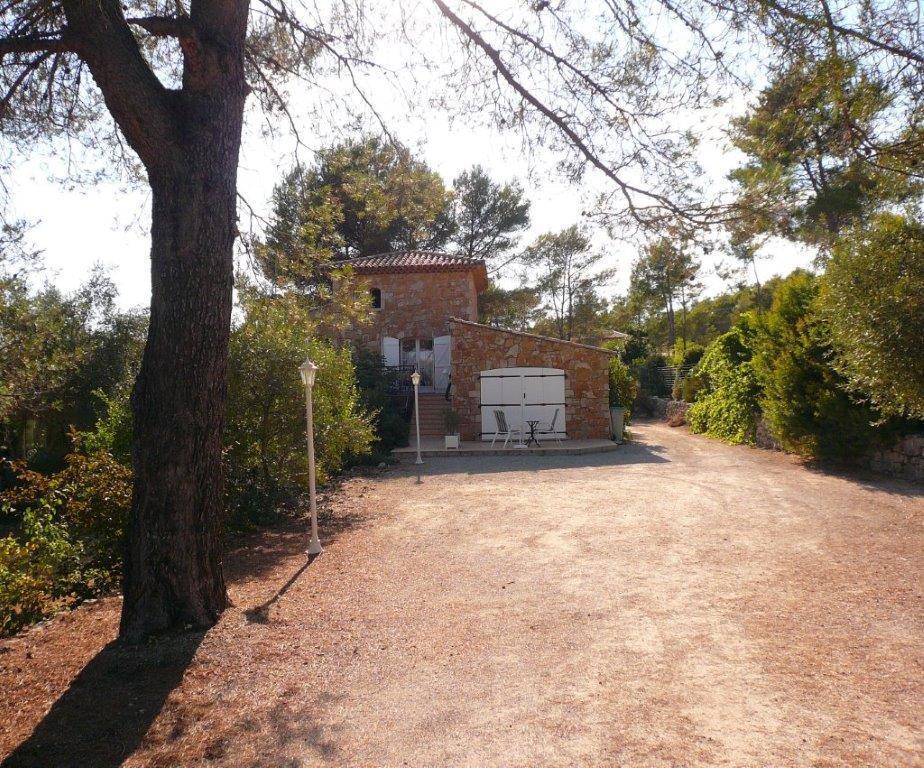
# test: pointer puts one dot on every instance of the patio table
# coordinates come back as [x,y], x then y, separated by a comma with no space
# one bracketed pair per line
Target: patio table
[533,424]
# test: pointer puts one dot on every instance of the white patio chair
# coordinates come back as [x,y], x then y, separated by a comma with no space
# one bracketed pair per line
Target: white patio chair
[549,429]
[503,428]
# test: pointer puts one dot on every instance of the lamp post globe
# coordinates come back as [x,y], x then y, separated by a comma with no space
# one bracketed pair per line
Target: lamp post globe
[307,371]
[415,380]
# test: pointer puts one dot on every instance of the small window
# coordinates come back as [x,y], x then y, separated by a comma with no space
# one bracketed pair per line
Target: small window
[376,295]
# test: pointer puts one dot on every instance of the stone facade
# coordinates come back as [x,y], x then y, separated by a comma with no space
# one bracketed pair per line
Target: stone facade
[418,305]
[477,348]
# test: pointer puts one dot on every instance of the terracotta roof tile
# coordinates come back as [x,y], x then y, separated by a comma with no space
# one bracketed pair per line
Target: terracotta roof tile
[419,261]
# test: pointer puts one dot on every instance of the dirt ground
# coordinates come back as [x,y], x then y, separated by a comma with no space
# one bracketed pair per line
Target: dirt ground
[676,603]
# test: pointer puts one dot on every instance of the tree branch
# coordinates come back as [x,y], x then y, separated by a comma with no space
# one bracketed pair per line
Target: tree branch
[139,102]
[36,44]
[830,25]
[626,189]
[165,26]
[23,76]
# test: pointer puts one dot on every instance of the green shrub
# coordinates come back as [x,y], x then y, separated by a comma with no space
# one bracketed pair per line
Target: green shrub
[112,433]
[26,586]
[623,386]
[687,388]
[374,381]
[873,301]
[266,456]
[804,400]
[637,347]
[686,355]
[91,496]
[727,405]
[677,389]
[69,543]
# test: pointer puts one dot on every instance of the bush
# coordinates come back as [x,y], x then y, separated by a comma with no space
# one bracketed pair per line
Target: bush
[26,582]
[112,434]
[636,347]
[69,543]
[727,406]
[375,382]
[687,388]
[687,355]
[873,302]
[265,455]
[623,386]
[804,400]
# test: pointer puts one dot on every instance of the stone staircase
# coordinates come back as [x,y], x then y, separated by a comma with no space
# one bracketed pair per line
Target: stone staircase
[432,408]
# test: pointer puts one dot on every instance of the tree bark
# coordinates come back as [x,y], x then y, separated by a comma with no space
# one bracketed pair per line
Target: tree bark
[173,572]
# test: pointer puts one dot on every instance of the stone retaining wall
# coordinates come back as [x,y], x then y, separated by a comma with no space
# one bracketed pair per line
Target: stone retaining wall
[676,412]
[904,460]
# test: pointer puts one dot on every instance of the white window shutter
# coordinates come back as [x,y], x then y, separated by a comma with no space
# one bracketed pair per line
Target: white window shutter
[442,361]
[391,351]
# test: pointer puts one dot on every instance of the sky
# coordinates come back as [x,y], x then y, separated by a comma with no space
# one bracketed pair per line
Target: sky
[78,226]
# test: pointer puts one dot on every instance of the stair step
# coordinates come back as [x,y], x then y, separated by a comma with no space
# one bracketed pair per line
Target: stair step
[431,413]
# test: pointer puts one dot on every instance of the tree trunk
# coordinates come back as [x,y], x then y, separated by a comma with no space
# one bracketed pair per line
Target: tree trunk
[173,574]
[757,282]
[671,326]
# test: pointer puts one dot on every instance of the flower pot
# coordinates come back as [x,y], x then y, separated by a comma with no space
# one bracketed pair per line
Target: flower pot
[617,422]
[452,441]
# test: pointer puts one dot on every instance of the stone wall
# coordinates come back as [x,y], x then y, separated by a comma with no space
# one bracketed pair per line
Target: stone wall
[650,406]
[661,408]
[904,460]
[763,438]
[418,305]
[477,348]
[676,412]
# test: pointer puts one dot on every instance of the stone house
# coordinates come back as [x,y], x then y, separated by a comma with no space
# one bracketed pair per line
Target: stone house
[425,317]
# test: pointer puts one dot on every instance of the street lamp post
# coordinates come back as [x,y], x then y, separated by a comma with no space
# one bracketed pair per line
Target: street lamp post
[307,371]
[415,380]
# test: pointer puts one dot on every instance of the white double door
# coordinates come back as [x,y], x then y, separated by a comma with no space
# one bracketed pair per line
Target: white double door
[524,395]
[432,357]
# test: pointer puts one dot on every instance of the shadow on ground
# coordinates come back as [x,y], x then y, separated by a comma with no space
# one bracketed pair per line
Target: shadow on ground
[629,453]
[260,614]
[866,478]
[254,555]
[102,718]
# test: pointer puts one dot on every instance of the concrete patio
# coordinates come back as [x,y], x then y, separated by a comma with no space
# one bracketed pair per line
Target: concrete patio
[432,447]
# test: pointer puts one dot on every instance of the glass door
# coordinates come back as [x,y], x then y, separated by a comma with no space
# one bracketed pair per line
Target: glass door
[418,354]
[425,362]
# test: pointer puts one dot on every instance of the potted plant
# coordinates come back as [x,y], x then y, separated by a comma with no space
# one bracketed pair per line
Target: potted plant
[452,420]
[623,388]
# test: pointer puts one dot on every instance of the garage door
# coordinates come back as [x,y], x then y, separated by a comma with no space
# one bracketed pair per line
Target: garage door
[523,394]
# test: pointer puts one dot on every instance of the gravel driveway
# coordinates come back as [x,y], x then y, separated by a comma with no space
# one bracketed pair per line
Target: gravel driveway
[677,603]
